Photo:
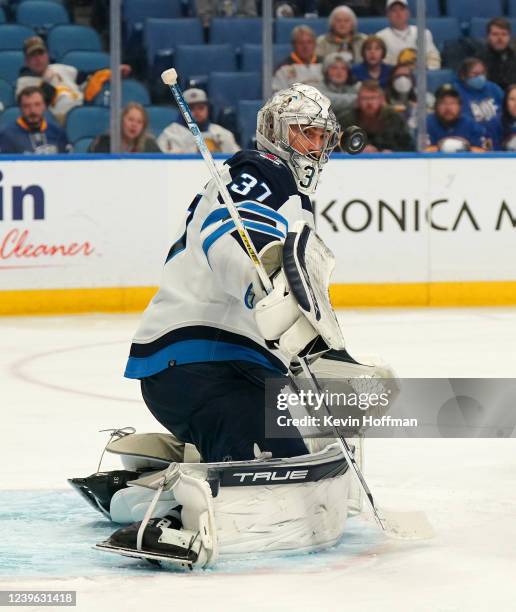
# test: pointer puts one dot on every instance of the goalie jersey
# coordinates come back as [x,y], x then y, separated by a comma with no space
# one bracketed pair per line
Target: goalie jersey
[203,309]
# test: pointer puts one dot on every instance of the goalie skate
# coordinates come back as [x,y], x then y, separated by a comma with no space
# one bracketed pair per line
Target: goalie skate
[161,543]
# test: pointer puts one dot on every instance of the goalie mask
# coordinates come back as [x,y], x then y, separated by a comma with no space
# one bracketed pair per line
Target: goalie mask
[286,128]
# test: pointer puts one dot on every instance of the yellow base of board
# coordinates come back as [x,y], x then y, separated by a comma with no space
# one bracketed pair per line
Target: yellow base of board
[135,299]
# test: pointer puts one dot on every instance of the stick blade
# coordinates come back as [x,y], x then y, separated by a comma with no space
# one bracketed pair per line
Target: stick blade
[406,525]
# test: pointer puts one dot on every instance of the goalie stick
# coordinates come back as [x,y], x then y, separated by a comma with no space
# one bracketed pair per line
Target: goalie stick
[403,525]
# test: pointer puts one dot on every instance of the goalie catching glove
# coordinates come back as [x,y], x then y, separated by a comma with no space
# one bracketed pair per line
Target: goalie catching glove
[297,315]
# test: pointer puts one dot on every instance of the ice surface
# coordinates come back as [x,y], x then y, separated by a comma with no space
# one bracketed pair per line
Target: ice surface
[61,381]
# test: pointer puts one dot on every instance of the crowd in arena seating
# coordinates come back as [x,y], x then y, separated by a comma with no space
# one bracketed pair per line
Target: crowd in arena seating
[362,54]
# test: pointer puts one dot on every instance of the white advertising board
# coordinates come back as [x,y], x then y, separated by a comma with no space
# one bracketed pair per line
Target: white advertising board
[108,223]
[415,220]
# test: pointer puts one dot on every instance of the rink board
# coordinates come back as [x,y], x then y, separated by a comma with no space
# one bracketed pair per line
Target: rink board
[91,233]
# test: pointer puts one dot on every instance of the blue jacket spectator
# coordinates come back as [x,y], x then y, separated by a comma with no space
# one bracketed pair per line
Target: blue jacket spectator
[373,67]
[31,133]
[482,100]
[448,122]
[503,130]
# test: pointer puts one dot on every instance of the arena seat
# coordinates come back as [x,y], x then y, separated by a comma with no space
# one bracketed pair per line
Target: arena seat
[443,29]
[201,60]
[135,12]
[64,38]
[166,34]
[82,145]
[225,89]
[511,8]
[3,18]
[86,122]
[10,64]
[464,10]
[13,35]
[160,117]
[86,61]
[433,8]
[132,91]
[41,14]
[6,94]
[284,27]
[236,31]
[436,78]
[9,115]
[252,56]
[371,25]
[247,112]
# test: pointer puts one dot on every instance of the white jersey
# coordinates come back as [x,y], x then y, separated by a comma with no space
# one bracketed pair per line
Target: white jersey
[203,310]
[176,138]
[397,41]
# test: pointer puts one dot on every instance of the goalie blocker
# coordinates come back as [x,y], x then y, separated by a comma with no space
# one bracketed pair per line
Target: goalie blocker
[298,314]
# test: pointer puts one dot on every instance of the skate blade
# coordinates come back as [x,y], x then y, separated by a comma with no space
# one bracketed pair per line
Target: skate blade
[148,556]
[406,525]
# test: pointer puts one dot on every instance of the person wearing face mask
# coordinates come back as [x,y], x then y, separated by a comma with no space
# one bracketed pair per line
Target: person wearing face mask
[448,127]
[482,100]
[401,94]
[503,128]
[342,36]
[339,85]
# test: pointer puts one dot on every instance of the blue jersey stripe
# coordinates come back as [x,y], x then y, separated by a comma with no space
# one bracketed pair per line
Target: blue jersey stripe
[193,351]
[221,214]
[223,229]
[230,225]
[265,211]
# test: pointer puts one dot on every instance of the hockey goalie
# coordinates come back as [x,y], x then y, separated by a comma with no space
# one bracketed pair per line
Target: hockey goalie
[205,346]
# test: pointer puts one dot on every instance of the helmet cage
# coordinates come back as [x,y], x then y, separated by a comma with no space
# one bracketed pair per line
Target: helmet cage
[275,135]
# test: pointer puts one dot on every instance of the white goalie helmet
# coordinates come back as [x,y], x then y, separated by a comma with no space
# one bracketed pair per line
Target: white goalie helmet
[300,106]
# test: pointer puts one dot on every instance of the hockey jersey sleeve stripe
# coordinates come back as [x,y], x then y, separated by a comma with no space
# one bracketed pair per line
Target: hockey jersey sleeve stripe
[221,214]
[265,211]
[230,225]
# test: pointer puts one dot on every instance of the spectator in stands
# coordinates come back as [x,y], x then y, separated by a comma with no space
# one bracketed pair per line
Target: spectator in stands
[31,133]
[302,65]
[177,138]
[373,67]
[386,129]
[450,130]
[134,135]
[338,85]
[482,100]
[400,35]
[503,129]
[208,9]
[498,55]
[342,36]
[401,95]
[57,81]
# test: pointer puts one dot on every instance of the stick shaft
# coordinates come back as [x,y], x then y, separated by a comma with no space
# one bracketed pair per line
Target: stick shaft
[223,190]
